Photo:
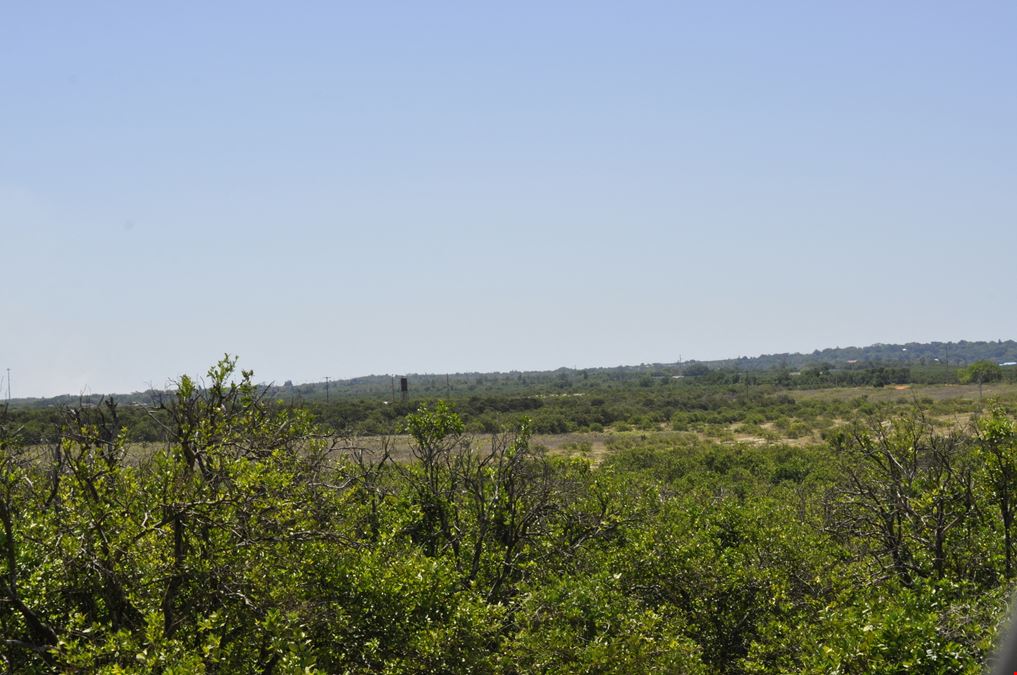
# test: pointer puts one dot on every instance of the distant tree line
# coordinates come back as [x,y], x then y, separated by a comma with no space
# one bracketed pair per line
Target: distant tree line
[927,363]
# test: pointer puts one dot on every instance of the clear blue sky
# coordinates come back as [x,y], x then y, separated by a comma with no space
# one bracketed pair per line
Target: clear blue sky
[349,188]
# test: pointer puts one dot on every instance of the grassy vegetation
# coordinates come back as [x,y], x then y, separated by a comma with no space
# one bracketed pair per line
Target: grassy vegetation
[651,526]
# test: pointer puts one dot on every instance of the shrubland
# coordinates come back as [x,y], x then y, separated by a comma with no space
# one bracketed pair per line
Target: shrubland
[251,535]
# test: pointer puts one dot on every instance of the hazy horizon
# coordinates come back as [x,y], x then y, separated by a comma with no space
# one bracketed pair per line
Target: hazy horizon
[200,373]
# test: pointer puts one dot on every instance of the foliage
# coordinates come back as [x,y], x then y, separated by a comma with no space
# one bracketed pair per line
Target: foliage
[980,372]
[257,539]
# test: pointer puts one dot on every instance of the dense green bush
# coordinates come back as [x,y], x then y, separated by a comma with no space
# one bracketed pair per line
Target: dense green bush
[255,539]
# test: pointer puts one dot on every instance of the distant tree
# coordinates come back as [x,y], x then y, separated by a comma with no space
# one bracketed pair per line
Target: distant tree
[980,371]
[697,370]
[782,377]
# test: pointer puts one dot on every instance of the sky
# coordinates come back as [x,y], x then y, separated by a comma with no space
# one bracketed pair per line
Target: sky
[340,189]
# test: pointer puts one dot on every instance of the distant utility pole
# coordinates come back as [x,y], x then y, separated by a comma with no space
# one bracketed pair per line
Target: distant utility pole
[326,388]
[8,385]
